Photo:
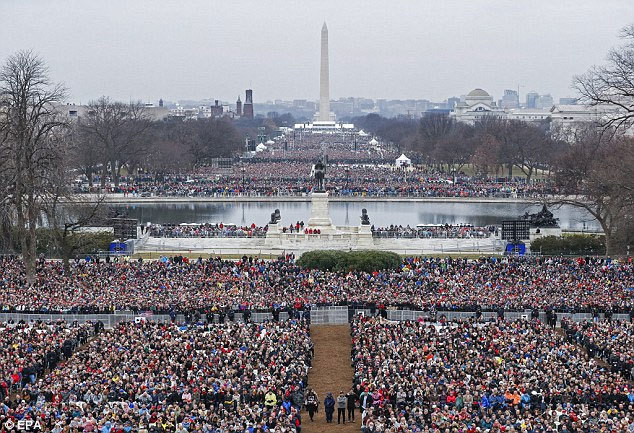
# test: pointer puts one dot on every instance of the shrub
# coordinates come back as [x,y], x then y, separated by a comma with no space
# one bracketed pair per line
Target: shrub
[571,245]
[366,261]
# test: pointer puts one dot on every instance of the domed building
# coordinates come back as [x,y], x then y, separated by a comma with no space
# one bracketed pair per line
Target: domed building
[475,105]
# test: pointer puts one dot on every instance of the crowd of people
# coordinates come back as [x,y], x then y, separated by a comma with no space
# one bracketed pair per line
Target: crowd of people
[153,377]
[610,340]
[449,231]
[293,178]
[204,230]
[27,350]
[216,374]
[506,376]
[211,285]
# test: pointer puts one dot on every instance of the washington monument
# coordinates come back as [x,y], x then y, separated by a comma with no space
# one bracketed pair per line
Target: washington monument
[324,78]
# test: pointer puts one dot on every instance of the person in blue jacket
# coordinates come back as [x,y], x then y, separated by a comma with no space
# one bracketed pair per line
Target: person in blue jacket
[329,407]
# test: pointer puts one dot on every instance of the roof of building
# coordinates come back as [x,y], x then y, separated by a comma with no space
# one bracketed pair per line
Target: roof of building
[478,93]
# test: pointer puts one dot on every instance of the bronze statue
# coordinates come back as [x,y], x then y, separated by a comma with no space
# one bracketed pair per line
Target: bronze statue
[365,219]
[543,218]
[275,217]
[320,176]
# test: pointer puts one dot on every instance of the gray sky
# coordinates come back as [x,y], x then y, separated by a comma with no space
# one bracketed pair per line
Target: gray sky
[194,49]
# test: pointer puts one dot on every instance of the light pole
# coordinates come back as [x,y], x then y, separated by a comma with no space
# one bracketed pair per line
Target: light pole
[242,170]
[347,176]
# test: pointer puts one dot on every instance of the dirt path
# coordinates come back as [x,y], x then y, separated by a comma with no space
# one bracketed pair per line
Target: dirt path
[331,372]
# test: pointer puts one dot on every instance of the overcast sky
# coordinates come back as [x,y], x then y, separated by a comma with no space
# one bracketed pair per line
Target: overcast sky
[182,49]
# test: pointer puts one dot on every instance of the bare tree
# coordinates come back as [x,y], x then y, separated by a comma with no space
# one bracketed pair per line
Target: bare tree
[66,213]
[596,174]
[612,84]
[455,148]
[433,129]
[117,132]
[169,153]
[28,153]
[486,156]
[211,138]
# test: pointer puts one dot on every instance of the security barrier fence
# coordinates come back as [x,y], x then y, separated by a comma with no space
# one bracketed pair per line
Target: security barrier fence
[322,315]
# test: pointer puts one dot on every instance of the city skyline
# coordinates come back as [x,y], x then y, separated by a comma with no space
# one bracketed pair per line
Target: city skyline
[433,51]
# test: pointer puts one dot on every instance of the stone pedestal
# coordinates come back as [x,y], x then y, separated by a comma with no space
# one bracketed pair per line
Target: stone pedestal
[273,234]
[544,231]
[364,237]
[319,213]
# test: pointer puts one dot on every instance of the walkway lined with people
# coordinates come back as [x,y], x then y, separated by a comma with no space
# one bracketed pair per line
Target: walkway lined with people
[332,372]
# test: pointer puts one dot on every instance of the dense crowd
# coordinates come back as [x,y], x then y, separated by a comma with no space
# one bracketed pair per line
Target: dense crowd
[151,377]
[498,377]
[610,340]
[355,168]
[211,285]
[448,231]
[291,178]
[27,350]
[205,230]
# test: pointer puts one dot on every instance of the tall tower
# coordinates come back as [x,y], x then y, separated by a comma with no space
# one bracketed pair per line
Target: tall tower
[247,107]
[239,107]
[324,78]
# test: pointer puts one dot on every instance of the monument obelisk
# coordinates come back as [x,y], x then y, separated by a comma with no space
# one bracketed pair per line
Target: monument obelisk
[324,78]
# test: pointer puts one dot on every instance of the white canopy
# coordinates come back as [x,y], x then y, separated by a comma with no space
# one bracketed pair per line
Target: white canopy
[260,147]
[373,142]
[362,133]
[270,142]
[403,160]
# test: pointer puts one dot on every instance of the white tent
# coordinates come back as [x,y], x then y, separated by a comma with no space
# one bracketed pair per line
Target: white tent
[362,133]
[260,147]
[403,161]
[373,142]
[268,143]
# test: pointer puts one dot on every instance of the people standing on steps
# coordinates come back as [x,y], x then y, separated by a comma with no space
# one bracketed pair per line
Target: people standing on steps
[329,407]
[342,402]
[311,403]
[351,398]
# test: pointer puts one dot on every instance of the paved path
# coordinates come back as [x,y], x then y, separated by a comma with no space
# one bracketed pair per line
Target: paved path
[331,372]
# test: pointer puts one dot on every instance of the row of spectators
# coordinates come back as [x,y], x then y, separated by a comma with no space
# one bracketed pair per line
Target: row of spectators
[610,340]
[294,179]
[205,230]
[209,230]
[28,350]
[467,377]
[210,285]
[149,377]
[434,231]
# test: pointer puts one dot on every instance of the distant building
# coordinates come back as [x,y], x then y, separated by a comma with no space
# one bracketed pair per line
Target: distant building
[528,114]
[511,99]
[567,101]
[247,108]
[476,105]
[216,109]
[571,115]
[531,99]
[452,102]
[74,111]
[544,102]
[238,107]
